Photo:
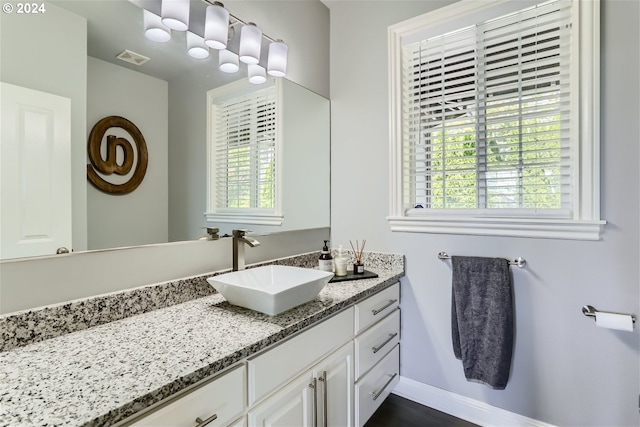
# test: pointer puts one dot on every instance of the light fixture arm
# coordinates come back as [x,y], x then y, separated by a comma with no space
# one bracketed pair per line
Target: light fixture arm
[238,20]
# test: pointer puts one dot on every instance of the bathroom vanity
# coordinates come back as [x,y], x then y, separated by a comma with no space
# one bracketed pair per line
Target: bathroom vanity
[328,362]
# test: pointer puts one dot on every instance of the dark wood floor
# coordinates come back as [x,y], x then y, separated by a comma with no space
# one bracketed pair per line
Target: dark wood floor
[397,411]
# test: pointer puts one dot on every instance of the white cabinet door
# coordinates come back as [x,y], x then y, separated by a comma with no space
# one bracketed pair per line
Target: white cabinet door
[335,388]
[291,406]
[322,396]
[35,179]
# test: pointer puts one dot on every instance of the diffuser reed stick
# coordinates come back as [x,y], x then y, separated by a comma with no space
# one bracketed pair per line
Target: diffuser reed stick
[357,250]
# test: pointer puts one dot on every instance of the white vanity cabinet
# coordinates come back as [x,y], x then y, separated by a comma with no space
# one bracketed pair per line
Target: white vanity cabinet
[334,374]
[348,385]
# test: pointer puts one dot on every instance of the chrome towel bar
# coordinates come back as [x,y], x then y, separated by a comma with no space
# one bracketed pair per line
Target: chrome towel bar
[590,311]
[520,262]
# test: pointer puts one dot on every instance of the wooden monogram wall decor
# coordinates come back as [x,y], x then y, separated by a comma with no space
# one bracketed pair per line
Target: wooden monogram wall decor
[109,165]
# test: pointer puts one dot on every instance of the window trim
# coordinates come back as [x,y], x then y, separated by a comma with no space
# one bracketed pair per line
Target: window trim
[255,216]
[586,223]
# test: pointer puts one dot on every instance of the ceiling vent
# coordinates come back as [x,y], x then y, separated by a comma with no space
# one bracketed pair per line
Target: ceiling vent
[132,57]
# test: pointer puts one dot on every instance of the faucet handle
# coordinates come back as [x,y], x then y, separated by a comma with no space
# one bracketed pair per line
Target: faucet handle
[240,232]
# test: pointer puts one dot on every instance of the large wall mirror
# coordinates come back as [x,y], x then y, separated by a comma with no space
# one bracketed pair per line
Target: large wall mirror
[71,51]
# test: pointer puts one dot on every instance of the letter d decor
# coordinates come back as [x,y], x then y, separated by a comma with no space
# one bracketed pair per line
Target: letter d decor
[109,165]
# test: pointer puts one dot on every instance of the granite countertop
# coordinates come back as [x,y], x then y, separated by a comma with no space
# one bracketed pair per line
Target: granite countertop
[104,374]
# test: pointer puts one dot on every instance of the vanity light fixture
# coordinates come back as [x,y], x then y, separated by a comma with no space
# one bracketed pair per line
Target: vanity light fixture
[228,61]
[175,14]
[250,44]
[257,74]
[196,46]
[154,29]
[277,59]
[219,29]
[216,26]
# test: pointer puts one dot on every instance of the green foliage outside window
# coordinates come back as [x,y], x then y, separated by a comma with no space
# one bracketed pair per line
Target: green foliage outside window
[520,168]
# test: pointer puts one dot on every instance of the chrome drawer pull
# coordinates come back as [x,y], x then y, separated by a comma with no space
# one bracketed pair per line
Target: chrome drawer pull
[378,348]
[381,309]
[377,394]
[314,386]
[207,421]
[325,411]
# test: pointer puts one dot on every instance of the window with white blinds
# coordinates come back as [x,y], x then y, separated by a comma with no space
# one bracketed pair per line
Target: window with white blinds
[243,155]
[487,115]
[244,130]
[488,123]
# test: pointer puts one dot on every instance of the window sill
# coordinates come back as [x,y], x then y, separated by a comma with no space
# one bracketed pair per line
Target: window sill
[503,227]
[246,218]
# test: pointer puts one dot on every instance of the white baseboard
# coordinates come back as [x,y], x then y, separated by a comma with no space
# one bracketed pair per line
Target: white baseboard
[468,409]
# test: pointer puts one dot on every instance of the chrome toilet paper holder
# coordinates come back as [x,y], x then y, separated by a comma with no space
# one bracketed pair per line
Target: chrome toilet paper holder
[590,311]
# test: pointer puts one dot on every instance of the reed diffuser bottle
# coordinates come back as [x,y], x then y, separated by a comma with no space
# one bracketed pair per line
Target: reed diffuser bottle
[358,265]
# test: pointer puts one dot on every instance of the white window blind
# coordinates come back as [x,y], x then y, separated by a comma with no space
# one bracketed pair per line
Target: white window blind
[486,116]
[244,131]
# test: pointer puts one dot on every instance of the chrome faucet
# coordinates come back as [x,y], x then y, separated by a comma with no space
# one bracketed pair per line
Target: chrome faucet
[239,239]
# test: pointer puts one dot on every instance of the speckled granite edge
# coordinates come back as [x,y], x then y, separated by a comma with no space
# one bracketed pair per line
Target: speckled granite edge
[29,326]
[179,384]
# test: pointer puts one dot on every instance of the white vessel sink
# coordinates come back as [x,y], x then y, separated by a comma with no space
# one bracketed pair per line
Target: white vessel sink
[271,289]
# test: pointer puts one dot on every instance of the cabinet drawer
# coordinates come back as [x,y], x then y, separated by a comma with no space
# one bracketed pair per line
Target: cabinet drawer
[376,341]
[222,397]
[277,366]
[375,386]
[376,307]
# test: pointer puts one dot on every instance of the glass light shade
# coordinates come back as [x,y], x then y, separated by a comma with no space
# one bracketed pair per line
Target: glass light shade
[228,61]
[216,27]
[250,44]
[196,47]
[257,74]
[277,59]
[154,29]
[175,14]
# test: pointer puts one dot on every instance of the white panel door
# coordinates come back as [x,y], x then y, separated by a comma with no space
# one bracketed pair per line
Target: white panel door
[335,401]
[35,172]
[292,406]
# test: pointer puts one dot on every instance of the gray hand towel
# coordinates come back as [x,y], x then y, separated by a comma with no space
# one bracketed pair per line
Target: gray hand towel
[482,319]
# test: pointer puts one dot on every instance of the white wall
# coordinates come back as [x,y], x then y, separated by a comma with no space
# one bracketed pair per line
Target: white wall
[140,217]
[32,45]
[306,158]
[565,370]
